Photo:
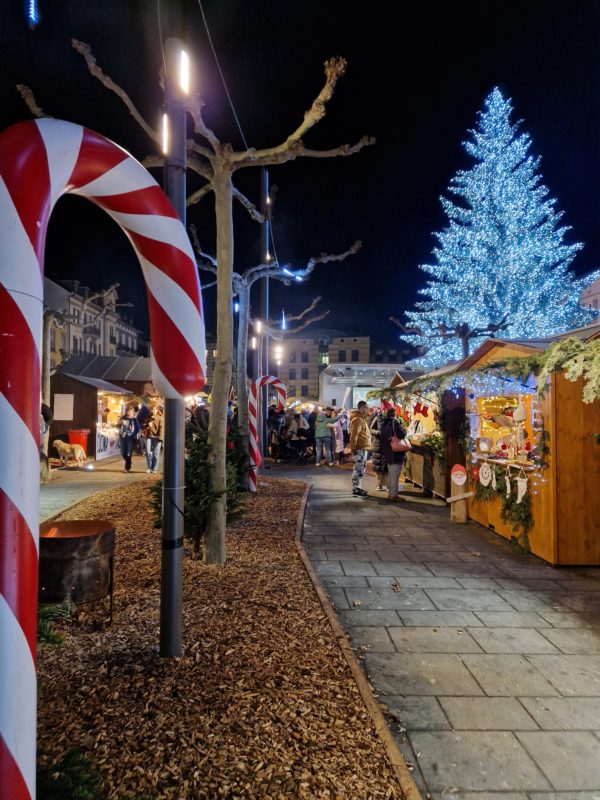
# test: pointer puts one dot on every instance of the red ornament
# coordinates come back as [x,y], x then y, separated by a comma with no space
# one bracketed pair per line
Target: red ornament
[475,472]
[417,408]
[230,445]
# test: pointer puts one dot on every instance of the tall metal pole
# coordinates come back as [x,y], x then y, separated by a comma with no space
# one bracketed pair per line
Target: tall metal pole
[265,235]
[171,578]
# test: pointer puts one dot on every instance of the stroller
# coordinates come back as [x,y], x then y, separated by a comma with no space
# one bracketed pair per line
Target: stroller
[299,450]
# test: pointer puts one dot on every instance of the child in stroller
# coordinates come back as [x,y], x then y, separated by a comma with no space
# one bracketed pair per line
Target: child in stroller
[297,439]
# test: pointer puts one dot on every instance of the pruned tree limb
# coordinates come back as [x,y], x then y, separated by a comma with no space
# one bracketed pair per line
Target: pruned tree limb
[31,103]
[86,51]
[196,196]
[334,69]
[207,262]
[306,323]
[298,150]
[248,205]
[194,106]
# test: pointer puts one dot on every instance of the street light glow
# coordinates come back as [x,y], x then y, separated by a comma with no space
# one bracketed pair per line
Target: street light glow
[253,343]
[258,326]
[184,72]
[165,133]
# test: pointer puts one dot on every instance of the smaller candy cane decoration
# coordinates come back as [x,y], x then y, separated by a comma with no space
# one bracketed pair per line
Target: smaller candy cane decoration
[255,458]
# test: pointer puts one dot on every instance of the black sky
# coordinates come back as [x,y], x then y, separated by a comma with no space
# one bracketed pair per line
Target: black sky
[415,83]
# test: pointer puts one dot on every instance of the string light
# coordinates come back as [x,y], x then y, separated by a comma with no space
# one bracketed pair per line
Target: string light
[33,14]
[502,255]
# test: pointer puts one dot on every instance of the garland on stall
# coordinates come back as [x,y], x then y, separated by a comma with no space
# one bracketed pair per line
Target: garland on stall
[436,443]
[518,515]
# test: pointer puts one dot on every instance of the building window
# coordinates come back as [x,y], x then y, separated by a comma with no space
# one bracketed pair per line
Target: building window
[292,358]
[334,402]
[304,356]
[355,355]
[304,375]
[292,374]
[323,359]
[292,390]
[341,356]
[74,344]
[304,391]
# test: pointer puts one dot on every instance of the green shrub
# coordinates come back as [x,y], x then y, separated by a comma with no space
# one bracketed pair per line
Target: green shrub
[71,778]
[47,615]
[197,491]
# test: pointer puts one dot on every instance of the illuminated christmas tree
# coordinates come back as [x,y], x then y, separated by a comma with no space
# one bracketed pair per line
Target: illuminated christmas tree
[502,266]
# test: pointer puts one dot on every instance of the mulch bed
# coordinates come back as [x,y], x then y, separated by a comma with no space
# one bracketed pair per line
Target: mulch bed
[261,704]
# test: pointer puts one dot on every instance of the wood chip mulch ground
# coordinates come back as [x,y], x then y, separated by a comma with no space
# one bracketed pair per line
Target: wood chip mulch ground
[262,703]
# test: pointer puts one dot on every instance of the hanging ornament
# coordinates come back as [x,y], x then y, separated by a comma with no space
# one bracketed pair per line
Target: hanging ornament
[508,484]
[425,410]
[475,472]
[485,474]
[521,486]
[494,485]
[417,408]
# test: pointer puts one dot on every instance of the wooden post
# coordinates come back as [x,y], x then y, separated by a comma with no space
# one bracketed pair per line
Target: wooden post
[458,496]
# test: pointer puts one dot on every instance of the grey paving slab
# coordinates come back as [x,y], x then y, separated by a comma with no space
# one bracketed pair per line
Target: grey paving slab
[329,568]
[423,674]
[376,639]
[338,597]
[363,568]
[467,600]
[579,642]
[570,760]
[398,568]
[361,616]
[418,713]
[478,583]
[560,619]
[492,796]
[512,619]
[462,570]
[487,714]
[593,795]
[416,582]
[351,555]
[431,619]
[386,598]
[564,713]
[434,640]
[344,580]
[512,640]
[509,675]
[572,675]
[476,761]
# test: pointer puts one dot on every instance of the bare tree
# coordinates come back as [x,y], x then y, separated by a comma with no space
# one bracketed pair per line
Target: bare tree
[216,162]
[462,331]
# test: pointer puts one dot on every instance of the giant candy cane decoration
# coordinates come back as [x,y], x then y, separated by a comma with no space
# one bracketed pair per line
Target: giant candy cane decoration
[255,458]
[39,162]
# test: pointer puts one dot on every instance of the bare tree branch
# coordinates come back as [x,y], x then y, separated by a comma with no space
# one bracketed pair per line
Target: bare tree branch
[248,205]
[307,310]
[195,106]
[30,102]
[325,257]
[151,162]
[207,262]
[334,69]
[298,150]
[199,167]
[86,51]
[196,196]
[306,323]
[199,149]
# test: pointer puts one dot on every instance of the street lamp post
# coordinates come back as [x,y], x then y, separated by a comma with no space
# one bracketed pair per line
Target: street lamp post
[174,149]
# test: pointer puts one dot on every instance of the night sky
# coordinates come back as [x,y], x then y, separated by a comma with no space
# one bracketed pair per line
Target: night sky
[415,84]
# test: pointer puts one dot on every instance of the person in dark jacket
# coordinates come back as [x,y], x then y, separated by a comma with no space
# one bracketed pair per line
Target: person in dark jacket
[377,460]
[391,427]
[129,431]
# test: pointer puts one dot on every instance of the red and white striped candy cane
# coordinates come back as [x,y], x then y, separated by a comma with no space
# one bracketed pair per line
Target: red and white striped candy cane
[255,459]
[39,162]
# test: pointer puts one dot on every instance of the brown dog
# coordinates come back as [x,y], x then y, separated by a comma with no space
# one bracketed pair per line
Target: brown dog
[69,452]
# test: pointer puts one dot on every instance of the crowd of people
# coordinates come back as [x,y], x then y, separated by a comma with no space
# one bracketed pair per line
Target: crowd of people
[336,435]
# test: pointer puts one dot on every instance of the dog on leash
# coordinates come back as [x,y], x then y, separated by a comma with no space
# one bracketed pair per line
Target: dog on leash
[69,452]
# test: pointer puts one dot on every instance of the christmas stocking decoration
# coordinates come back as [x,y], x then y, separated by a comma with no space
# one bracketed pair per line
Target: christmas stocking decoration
[494,478]
[521,487]
[425,410]
[508,484]
[417,408]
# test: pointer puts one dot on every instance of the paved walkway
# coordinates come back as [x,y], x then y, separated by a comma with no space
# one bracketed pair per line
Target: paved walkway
[489,657]
[68,486]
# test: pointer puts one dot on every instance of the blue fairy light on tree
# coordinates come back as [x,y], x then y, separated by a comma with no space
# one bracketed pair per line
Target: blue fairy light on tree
[502,265]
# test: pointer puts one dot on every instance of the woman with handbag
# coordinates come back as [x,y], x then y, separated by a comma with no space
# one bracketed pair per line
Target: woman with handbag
[394,446]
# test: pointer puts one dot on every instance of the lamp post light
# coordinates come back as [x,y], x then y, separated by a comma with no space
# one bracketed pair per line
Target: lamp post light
[177,86]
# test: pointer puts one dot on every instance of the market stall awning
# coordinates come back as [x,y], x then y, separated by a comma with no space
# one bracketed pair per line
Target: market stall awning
[98,383]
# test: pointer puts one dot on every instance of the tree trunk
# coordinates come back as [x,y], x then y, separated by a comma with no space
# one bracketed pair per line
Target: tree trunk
[242,360]
[214,542]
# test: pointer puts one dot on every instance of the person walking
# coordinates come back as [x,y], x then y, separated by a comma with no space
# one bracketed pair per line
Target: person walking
[337,442]
[359,445]
[154,439]
[142,414]
[129,432]
[391,427]
[323,425]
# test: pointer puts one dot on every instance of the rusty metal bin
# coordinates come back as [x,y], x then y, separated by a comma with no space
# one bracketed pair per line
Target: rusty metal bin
[76,561]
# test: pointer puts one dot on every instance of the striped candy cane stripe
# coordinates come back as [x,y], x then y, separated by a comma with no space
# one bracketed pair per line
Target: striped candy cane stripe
[255,459]
[39,162]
